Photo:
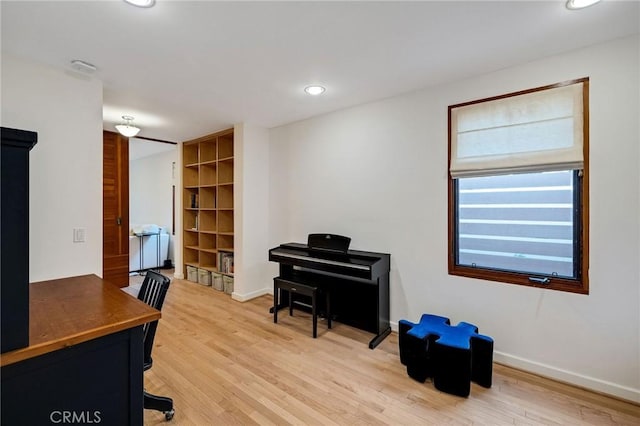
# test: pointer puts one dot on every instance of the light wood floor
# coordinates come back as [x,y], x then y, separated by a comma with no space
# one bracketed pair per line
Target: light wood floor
[225,362]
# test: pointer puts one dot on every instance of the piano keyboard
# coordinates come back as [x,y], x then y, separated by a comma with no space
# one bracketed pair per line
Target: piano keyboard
[320,260]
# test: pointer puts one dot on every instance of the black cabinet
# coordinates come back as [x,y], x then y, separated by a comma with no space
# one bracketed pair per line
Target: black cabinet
[99,381]
[14,280]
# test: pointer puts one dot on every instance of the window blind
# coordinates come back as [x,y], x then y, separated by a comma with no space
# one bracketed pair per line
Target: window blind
[532,132]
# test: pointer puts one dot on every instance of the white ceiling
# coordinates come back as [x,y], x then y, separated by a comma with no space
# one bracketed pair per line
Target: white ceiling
[184,69]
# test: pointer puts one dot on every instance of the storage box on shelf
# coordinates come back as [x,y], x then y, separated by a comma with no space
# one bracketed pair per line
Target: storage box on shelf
[227,283]
[208,227]
[204,277]
[192,273]
[216,281]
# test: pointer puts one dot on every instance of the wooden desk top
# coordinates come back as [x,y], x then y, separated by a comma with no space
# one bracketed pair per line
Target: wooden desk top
[68,311]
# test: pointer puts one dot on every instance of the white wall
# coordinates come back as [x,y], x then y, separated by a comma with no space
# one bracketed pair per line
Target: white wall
[65,177]
[150,191]
[378,173]
[251,211]
[177,238]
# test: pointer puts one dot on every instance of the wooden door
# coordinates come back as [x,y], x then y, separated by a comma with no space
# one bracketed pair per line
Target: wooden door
[115,209]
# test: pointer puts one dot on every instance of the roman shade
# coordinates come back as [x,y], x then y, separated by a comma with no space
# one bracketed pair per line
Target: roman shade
[537,131]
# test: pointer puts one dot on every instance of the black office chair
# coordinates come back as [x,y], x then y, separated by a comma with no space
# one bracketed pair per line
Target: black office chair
[153,291]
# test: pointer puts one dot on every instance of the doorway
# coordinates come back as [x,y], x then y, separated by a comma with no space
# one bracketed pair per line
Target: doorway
[152,181]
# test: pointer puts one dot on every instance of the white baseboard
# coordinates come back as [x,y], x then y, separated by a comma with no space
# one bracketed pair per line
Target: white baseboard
[178,275]
[564,376]
[248,296]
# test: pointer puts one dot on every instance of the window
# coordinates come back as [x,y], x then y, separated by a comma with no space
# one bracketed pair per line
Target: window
[518,188]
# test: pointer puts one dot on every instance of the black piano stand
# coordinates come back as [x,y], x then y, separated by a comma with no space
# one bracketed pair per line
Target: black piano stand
[379,338]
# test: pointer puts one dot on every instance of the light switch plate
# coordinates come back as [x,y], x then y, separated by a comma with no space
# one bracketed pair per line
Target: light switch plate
[78,235]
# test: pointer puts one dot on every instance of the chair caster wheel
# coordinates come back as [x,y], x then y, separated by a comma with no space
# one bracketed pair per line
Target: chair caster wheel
[168,415]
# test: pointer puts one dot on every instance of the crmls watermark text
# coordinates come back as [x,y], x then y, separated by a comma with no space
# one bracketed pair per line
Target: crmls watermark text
[84,417]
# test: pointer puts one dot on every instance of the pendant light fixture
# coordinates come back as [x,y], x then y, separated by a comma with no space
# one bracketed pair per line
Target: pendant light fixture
[580,4]
[141,3]
[127,129]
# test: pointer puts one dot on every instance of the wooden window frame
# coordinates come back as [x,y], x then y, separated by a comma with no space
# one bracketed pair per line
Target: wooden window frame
[579,285]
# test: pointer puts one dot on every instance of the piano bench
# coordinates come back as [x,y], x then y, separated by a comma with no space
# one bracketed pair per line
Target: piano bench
[305,290]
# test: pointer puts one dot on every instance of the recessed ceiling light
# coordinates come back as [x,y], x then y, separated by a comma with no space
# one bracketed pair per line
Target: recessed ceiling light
[580,4]
[141,3]
[314,90]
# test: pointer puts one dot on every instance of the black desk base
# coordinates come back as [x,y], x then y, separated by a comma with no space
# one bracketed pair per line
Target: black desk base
[99,381]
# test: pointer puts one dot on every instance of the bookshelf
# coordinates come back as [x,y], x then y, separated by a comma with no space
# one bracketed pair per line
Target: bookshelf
[208,228]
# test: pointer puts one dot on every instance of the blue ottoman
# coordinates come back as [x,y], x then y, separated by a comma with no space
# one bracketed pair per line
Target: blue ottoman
[453,356]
